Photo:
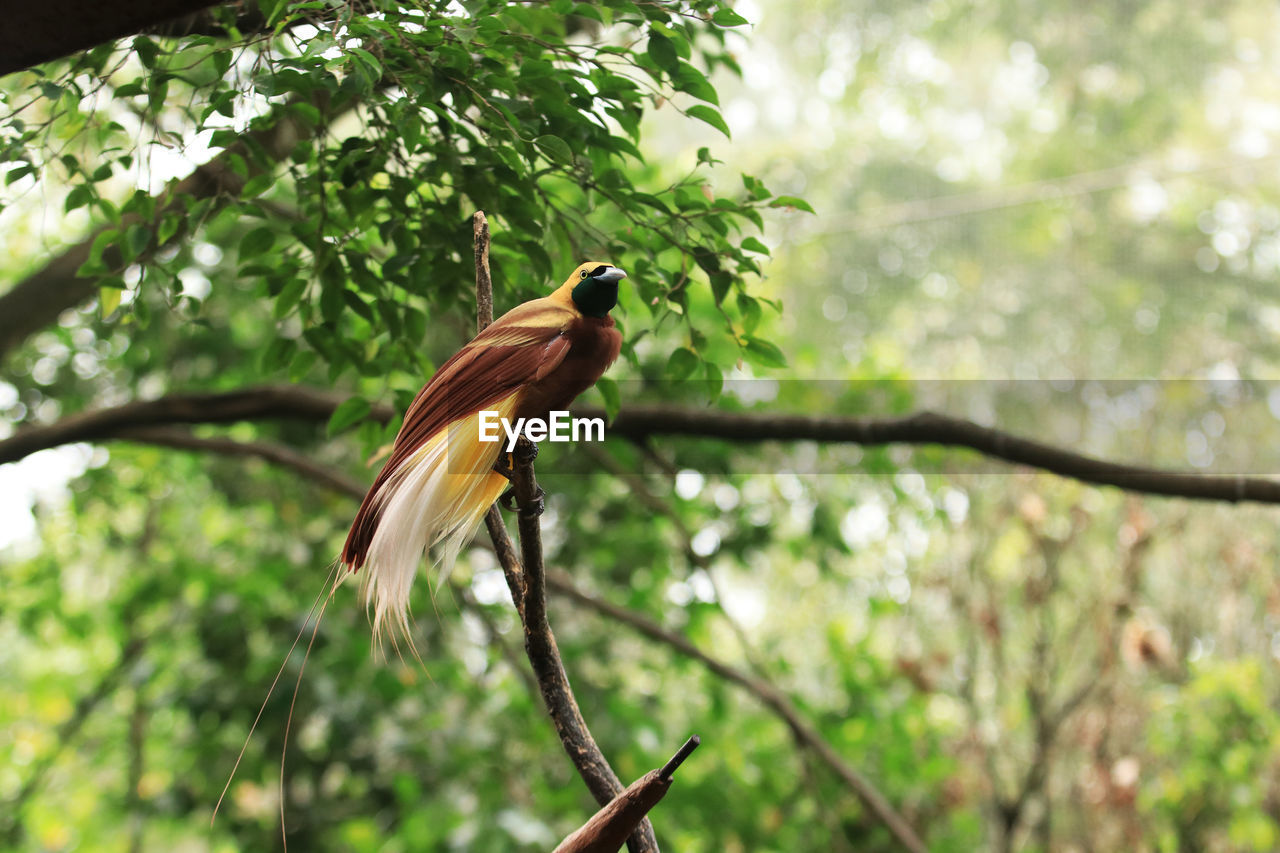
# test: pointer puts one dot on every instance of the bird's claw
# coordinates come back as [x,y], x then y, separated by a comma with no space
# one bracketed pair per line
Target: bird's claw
[504,467]
[535,508]
[526,451]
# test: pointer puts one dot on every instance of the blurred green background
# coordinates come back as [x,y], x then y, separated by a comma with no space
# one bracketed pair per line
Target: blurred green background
[1008,197]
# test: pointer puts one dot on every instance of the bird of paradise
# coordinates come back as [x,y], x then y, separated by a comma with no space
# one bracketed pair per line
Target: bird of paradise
[441,478]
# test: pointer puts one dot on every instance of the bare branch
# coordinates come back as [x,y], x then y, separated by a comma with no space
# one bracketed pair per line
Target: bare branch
[484,281]
[610,826]
[637,423]
[277,454]
[925,428]
[525,578]
[282,402]
[770,696]
[502,544]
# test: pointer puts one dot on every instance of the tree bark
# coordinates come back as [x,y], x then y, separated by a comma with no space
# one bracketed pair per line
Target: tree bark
[639,423]
[38,32]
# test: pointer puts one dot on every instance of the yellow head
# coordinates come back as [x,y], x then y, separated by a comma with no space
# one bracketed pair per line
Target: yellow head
[592,288]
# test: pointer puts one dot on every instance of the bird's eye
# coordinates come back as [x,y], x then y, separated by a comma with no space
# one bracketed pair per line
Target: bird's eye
[583,274]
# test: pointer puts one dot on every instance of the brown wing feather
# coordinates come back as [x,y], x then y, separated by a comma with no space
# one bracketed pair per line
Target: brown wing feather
[475,378]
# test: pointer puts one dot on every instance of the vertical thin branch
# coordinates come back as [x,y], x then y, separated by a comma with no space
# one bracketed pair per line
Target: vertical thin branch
[484,284]
[527,582]
[484,316]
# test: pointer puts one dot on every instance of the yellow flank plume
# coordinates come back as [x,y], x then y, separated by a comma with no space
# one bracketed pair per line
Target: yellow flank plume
[436,496]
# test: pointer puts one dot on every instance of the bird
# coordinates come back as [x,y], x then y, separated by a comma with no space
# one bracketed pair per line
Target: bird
[440,478]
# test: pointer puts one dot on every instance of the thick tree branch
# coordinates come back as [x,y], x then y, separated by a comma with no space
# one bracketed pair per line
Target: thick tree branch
[770,696]
[282,402]
[637,423]
[38,32]
[925,428]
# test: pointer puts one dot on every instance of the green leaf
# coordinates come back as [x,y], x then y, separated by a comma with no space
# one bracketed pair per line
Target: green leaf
[663,52]
[156,97]
[169,225]
[756,187]
[728,18]
[710,116]
[715,381]
[691,80]
[301,365]
[350,411]
[612,397]
[681,364]
[256,242]
[751,244]
[720,283]
[147,51]
[80,195]
[751,312]
[257,186]
[18,174]
[764,353]
[136,239]
[222,60]
[397,262]
[272,9]
[555,147]
[277,354]
[791,201]
[109,297]
[94,264]
[331,302]
[289,296]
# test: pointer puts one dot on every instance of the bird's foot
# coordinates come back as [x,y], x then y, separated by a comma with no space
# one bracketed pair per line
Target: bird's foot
[526,451]
[503,466]
[535,508]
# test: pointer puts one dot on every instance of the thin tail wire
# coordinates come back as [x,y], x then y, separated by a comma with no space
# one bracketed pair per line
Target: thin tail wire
[271,690]
[293,701]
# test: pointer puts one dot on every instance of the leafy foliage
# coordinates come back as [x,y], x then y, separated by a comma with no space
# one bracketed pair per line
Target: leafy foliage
[352,143]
